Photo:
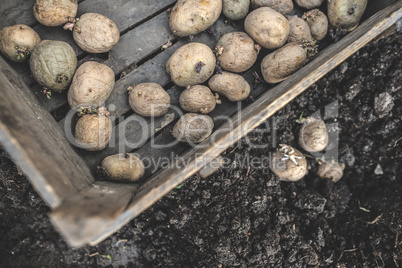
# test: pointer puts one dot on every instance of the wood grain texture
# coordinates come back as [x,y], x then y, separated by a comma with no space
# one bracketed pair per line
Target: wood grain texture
[254,115]
[36,143]
[90,212]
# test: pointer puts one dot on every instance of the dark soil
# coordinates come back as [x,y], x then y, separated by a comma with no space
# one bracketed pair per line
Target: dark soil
[246,217]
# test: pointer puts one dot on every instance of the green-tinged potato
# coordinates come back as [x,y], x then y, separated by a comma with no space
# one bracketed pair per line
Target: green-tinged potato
[191,64]
[193,128]
[346,14]
[190,17]
[232,86]
[299,30]
[280,64]
[282,6]
[313,135]
[92,84]
[18,41]
[288,163]
[54,12]
[235,9]
[309,4]
[123,167]
[236,52]
[53,64]
[332,170]
[318,23]
[149,99]
[95,33]
[93,132]
[267,27]
[197,99]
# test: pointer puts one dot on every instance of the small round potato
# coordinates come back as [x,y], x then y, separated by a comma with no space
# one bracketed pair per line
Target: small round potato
[280,64]
[318,23]
[93,132]
[309,4]
[236,9]
[288,163]
[53,64]
[236,52]
[197,99]
[191,64]
[149,99]
[313,135]
[346,14]
[282,6]
[267,27]
[190,17]
[54,12]
[232,86]
[18,41]
[332,170]
[92,84]
[299,30]
[123,167]
[95,33]
[193,128]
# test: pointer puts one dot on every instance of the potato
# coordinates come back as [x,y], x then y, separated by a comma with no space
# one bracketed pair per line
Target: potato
[318,23]
[191,64]
[193,128]
[123,167]
[95,33]
[92,84]
[93,132]
[235,9]
[332,170]
[149,99]
[288,163]
[346,14]
[53,64]
[232,86]
[282,6]
[18,41]
[190,17]
[313,136]
[54,12]
[280,64]
[309,4]
[299,30]
[197,99]
[267,27]
[236,52]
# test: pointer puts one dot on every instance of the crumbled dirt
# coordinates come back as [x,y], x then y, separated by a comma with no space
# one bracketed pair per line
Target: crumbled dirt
[246,217]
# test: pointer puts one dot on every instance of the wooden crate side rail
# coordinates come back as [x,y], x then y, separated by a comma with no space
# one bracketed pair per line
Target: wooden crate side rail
[254,115]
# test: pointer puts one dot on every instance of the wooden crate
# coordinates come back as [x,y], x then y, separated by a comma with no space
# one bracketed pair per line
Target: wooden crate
[32,128]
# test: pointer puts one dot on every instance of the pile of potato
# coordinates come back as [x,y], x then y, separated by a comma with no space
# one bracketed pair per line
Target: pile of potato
[286,40]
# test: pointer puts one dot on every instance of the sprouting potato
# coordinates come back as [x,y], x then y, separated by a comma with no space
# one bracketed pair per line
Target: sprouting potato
[313,135]
[55,12]
[198,99]
[123,167]
[149,99]
[299,30]
[95,33]
[232,86]
[236,52]
[235,9]
[331,170]
[191,64]
[346,14]
[93,132]
[318,23]
[18,41]
[193,128]
[190,17]
[267,27]
[283,62]
[288,163]
[92,84]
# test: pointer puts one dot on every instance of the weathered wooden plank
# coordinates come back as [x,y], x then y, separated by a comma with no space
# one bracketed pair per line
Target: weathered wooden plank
[37,144]
[17,12]
[91,211]
[252,116]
